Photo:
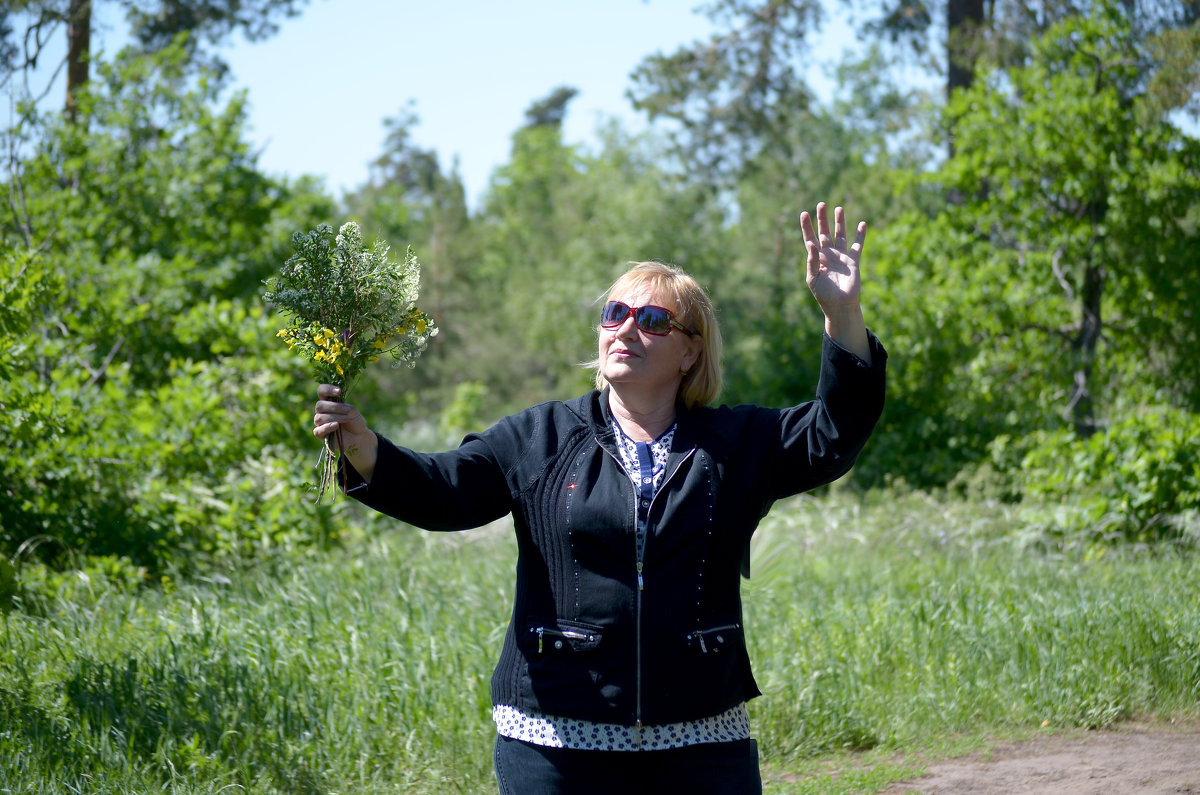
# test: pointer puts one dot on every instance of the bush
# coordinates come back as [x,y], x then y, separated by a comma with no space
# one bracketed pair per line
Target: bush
[148,411]
[1137,481]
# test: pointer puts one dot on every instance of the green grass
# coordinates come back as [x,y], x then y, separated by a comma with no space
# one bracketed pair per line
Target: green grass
[877,626]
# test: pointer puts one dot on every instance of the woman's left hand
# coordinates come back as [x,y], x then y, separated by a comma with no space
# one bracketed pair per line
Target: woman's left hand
[833,273]
[833,276]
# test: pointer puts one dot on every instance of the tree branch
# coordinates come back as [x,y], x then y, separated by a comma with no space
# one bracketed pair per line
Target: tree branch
[99,372]
[1056,269]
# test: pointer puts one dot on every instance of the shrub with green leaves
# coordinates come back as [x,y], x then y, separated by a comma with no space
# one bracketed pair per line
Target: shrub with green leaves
[146,415]
[1137,481]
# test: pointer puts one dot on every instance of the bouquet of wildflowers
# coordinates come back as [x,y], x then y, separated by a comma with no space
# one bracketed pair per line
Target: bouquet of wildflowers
[346,306]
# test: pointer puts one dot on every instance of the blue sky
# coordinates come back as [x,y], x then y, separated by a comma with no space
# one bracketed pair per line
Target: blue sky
[320,89]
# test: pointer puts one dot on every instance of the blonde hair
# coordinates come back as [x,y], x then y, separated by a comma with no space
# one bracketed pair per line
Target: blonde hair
[694,310]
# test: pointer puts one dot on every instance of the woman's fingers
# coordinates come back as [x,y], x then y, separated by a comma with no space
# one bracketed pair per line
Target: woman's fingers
[839,228]
[331,413]
[325,421]
[823,236]
[826,247]
[806,227]
[826,239]
[859,239]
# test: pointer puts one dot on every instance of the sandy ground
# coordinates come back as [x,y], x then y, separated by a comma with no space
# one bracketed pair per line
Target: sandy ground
[1132,758]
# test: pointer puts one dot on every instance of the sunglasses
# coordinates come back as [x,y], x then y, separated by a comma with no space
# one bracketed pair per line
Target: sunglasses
[654,320]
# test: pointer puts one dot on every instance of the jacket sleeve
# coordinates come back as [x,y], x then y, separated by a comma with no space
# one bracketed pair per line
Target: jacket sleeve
[453,490]
[820,440]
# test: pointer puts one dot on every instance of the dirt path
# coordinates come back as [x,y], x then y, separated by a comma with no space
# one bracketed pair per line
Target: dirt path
[1132,758]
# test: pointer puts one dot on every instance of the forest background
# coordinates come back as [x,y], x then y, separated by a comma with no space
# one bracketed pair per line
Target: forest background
[1033,267]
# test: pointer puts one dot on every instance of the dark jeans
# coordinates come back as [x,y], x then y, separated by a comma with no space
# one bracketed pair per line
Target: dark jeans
[713,768]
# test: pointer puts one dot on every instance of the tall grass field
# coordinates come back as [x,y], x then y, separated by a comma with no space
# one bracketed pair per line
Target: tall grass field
[877,625]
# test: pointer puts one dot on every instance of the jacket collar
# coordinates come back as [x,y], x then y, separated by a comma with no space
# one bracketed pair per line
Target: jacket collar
[686,424]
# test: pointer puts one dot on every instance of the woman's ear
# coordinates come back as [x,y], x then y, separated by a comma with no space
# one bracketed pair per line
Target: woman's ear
[691,353]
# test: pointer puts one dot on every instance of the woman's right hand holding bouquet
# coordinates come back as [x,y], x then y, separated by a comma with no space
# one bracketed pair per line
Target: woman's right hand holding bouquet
[360,446]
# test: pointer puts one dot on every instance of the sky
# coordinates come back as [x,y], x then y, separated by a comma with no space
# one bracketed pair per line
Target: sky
[320,89]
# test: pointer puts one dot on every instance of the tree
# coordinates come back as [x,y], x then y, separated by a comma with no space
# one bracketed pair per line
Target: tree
[912,21]
[964,23]
[1060,291]
[1092,188]
[148,409]
[410,200]
[732,97]
[551,110]
[1002,30]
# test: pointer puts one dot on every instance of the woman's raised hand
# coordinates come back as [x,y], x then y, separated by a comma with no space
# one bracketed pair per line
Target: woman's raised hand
[833,276]
[833,273]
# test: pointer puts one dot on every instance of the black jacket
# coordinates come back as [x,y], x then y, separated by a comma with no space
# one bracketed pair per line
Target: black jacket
[591,637]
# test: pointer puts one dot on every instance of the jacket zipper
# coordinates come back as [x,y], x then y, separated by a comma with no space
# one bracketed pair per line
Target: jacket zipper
[641,584]
[638,615]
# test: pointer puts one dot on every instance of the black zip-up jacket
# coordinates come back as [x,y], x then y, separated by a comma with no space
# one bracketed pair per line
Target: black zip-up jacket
[593,635]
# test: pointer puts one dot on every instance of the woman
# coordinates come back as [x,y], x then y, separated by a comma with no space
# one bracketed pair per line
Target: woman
[624,668]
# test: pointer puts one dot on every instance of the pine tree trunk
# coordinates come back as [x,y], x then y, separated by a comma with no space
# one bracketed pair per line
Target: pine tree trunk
[79,44]
[964,22]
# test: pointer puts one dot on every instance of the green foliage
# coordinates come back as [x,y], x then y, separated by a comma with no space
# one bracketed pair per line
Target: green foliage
[1057,288]
[188,473]
[464,414]
[26,290]
[769,317]
[1086,206]
[1136,482]
[147,413]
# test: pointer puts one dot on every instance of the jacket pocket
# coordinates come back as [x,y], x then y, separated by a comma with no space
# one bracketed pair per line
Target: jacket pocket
[547,636]
[715,639]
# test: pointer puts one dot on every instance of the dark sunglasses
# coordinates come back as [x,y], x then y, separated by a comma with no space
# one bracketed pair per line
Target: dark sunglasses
[654,320]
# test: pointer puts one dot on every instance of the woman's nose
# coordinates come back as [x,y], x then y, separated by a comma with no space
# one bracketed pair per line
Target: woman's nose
[628,328]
